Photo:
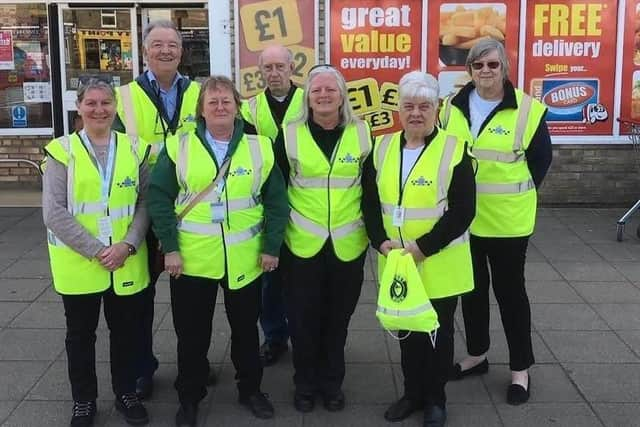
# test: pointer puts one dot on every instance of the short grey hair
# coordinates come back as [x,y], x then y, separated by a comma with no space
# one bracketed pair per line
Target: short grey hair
[286,49]
[160,23]
[94,83]
[484,47]
[418,84]
[347,116]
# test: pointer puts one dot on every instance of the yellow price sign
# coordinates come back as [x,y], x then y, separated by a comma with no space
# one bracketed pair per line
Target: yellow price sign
[303,60]
[364,95]
[389,96]
[251,81]
[380,120]
[270,22]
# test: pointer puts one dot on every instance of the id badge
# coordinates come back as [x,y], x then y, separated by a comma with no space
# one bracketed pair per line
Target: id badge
[398,216]
[105,230]
[217,212]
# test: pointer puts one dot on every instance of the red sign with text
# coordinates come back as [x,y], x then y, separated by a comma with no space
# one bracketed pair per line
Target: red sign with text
[456,26]
[570,63]
[630,97]
[374,43]
[262,23]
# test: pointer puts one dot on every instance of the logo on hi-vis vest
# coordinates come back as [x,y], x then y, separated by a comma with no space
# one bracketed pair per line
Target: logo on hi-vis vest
[127,182]
[499,130]
[348,158]
[421,181]
[189,118]
[398,289]
[125,284]
[240,171]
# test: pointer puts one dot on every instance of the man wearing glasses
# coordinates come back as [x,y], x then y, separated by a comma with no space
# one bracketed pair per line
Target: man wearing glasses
[158,104]
[281,102]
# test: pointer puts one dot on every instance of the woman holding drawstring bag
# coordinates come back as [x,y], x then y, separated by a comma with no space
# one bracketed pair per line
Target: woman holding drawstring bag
[419,195]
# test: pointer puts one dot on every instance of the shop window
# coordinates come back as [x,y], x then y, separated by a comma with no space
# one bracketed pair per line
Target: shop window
[25,87]
[108,18]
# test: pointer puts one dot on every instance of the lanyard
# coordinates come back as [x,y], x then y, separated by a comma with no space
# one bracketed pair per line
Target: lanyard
[105,175]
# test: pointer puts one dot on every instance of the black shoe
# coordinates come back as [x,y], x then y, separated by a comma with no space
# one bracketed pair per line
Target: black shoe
[304,402]
[517,395]
[334,402]
[457,373]
[258,404]
[401,409]
[144,387]
[83,414]
[187,415]
[133,410]
[435,416]
[270,352]
[212,379]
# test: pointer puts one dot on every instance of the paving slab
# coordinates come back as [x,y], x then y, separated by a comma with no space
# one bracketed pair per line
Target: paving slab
[54,384]
[546,291]
[549,414]
[48,414]
[6,407]
[588,347]
[18,378]
[588,271]
[9,311]
[607,292]
[632,339]
[28,269]
[618,414]
[31,344]
[573,317]
[27,290]
[44,315]
[468,415]
[620,316]
[606,383]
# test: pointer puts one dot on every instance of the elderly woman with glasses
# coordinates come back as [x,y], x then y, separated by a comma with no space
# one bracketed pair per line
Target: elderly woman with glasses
[218,206]
[321,156]
[509,137]
[419,195]
[96,221]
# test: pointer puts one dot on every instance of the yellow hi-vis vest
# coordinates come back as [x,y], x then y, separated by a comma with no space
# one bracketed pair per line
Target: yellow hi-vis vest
[325,195]
[73,274]
[141,118]
[256,111]
[507,199]
[232,247]
[424,200]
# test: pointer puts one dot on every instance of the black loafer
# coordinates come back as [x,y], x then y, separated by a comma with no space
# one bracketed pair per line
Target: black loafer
[517,395]
[304,402]
[401,409]
[334,402]
[144,387]
[259,405]
[457,373]
[270,352]
[187,415]
[435,416]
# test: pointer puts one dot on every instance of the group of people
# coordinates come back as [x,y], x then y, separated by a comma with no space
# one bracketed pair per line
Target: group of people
[276,200]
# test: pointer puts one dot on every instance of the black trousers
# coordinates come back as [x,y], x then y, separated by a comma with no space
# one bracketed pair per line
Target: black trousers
[321,294]
[505,257]
[193,300]
[424,367]
[82,313]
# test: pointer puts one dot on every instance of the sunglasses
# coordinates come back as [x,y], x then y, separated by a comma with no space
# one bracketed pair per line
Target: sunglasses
[480,65]
[322,67]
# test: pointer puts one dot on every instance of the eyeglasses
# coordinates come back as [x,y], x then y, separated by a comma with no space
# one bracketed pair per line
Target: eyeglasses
[480,65]
[322,67]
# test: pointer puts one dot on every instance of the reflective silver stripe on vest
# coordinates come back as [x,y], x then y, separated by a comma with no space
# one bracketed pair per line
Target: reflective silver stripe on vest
[123,212]
[256,162]
[253,108]
[519,187]
[71,164]
[183,154]
[405,313]
[498,156]
[443,171]
[127,106]
[200,228]
[363,136]
[308,225]
[345,230]
[447,112]
[212,197]
[323,182]
[521,123]
[416,213]
[381,153]
[244,235]
[53,240]
[87,208]
[292,148]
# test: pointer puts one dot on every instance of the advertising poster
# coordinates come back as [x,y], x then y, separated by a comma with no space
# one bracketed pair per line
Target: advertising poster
[261,23]
[456,26]
[570,63]
[630,97]
[374,43]
[6,50]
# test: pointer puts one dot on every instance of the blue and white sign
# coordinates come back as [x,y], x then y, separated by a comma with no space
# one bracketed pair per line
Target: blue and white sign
[19,116]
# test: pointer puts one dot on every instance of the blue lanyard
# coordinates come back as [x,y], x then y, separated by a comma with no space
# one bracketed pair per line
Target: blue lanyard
[105,176]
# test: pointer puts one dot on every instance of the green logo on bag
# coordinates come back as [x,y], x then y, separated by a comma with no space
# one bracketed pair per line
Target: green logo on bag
[398,289]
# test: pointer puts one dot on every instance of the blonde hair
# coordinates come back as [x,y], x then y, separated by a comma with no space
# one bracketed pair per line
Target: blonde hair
[345,111]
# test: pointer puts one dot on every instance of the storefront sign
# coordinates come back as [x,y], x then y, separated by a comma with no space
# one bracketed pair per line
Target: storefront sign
[630,96]
[36,92]
[19,116]
[6,50]
[569,63]
[456,26]
[262,23]
[374,43]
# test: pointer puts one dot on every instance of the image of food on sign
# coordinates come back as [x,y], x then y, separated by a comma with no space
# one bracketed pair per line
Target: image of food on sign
[635,95]
[463,25]
[636,37]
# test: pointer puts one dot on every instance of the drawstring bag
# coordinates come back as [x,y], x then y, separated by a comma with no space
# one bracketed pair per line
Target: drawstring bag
[403,303]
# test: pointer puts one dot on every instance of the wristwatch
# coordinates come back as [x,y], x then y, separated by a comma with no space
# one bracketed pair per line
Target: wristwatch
[131,248]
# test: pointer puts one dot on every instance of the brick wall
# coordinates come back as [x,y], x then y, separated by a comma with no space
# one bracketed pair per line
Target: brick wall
[14,174]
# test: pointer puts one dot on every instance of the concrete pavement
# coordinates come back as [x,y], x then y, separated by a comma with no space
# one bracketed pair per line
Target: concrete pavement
[585,293]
